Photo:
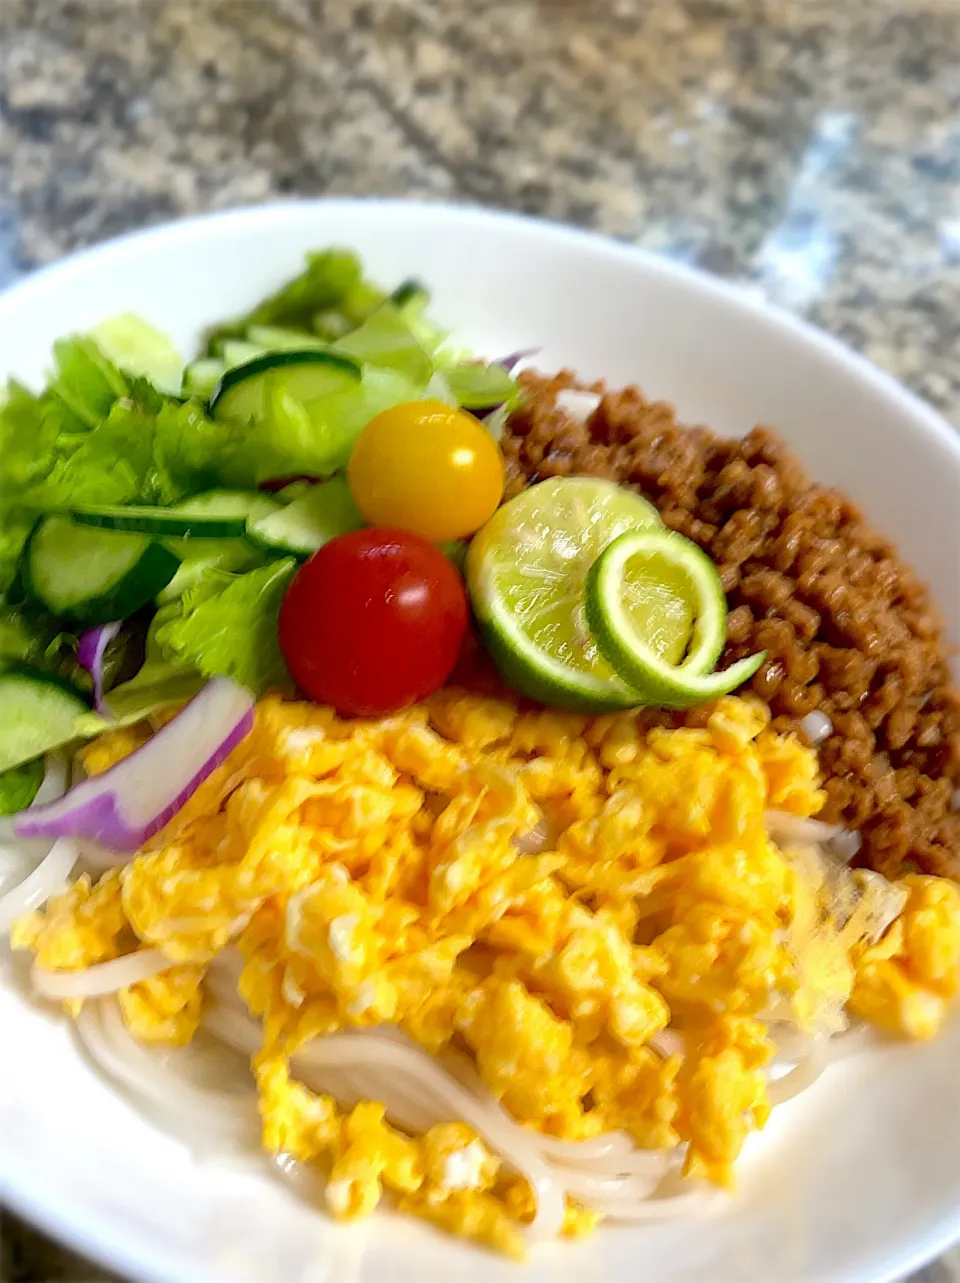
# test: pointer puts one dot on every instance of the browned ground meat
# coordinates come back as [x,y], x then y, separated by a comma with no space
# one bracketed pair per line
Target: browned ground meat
[847,627]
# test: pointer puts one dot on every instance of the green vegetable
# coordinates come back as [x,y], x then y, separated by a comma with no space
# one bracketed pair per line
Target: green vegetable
[385,339]
[308,375]
[292,438]
[227,624]
[110,432]
[114,465]
[19,785]
[151,519]
[85,380]
[331,279]
[49,458]
[201,377]
[199,556]
[274,338]
[30,428]
[158,685]
[38,713]
[320,514]
[82,573]
[476,385]
[27,637]
[137,348]
[456,551]
[189,450]
[15,529]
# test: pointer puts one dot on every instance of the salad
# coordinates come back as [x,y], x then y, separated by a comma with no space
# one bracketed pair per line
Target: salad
[293,508]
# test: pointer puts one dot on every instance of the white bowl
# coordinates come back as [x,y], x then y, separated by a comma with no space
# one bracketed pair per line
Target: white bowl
[858,1180]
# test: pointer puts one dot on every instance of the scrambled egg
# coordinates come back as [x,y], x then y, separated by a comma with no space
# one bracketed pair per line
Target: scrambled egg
[544,891]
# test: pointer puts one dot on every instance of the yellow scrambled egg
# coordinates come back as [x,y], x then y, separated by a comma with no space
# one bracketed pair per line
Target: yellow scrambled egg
[543,891]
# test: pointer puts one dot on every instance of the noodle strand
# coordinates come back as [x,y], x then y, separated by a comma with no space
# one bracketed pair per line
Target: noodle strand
[47,879]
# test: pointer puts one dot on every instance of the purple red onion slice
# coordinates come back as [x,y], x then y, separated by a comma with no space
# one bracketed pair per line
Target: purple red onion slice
[131,801]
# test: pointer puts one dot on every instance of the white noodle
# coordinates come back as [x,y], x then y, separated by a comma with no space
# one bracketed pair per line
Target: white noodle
[150,1077]
[845,845]
[505,1137]
[804,1074]
[607,1174]
[13,866]
[54,783]
[792,1044]
[852,1042]
[304,1180]
[104,978]
[97,858]
[593,1190]
[611,1146]
[669,1208]
[795,828]
[47,879]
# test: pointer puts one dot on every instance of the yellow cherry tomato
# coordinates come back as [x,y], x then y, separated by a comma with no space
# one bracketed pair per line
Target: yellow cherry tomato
[426,467]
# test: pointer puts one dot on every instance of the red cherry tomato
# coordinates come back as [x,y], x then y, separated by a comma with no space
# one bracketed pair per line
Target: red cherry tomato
[373,621]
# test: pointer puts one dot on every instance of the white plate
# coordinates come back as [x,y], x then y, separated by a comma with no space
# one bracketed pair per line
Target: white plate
[859,1180]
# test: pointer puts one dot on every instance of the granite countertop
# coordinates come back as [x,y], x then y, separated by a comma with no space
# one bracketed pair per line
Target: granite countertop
[808,149]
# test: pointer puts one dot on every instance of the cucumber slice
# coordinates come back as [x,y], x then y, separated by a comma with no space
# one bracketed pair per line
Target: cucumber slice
[306,375]
[228,505]
[272,338]
[200,378]
[135,346]
[93,575]
[38,713]
[411,296]
[239,352]
[305,525]
[171,522]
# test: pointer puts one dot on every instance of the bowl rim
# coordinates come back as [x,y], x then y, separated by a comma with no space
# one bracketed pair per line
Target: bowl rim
[100,1238]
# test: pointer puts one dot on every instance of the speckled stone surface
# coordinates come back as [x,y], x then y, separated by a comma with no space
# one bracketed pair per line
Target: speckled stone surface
[807,149]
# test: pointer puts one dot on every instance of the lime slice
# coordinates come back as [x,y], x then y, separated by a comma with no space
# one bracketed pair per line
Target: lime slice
[527,570]
[628,591]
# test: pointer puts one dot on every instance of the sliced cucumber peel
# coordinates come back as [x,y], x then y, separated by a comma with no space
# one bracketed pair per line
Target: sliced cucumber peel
[93,575]
[242,392]
[169,522]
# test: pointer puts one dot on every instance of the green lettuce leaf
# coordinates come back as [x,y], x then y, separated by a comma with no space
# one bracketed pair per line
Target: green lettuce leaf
[33,429]
[476,385]
[227,625]
[158,685]
[19,785]
[113,465]
[332,278]
[385,339]
[25,636]
[191,451]
[50,457]
[85,380]
[15,527]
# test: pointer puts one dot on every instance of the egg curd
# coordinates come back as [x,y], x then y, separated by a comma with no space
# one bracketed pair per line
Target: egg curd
[597,917]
